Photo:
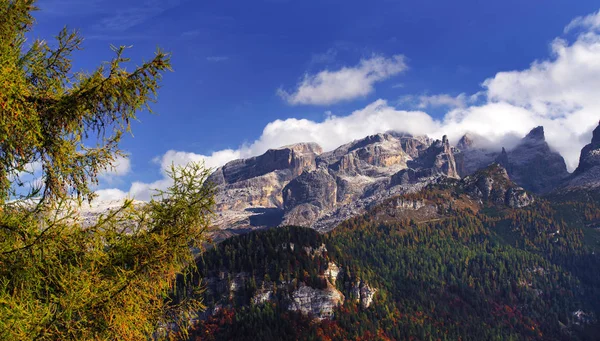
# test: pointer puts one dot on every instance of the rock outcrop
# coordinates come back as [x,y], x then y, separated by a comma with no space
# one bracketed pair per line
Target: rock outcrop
[373,156]
[534,166]
[301,185]
[308,196]
[439,158]
[251,189]
[531,163]
[319,303]
[363,293]
[493,185]
[587,174]
[294,158]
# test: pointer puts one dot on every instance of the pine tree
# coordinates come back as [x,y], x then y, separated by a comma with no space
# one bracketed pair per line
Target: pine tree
[60,280]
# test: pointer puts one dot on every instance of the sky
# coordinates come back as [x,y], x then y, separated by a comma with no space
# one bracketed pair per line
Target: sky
[253,75]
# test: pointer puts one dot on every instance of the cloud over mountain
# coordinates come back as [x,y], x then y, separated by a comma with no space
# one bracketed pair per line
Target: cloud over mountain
[559,93]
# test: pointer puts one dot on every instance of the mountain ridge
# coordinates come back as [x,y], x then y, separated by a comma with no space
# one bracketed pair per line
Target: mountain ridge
[320,189]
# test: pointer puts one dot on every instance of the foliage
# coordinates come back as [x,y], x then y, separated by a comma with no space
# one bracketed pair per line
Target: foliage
[495,274]
[61,279]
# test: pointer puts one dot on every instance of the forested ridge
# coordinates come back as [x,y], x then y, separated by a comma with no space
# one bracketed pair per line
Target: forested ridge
[484,272]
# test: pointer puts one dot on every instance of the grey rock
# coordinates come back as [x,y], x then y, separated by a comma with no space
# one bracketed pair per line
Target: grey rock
[587,174]
[493,185]
[439,157]
[375,155]
[319,303]
[363,293]
[295,158]
[257,183]
[534,166]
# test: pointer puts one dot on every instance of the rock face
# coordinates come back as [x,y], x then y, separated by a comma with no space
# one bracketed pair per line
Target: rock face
[306,197]
[532,163]
[294,158]
[319,303]
[534,166]
[227,287]
[373,156]
[358,174]
[587,174]
[492,185]
[439,157]
[332,272]
[301,185]
[251,189]
[470,157]
[363,293]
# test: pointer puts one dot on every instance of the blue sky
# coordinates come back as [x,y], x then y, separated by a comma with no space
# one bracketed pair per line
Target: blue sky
[252,74]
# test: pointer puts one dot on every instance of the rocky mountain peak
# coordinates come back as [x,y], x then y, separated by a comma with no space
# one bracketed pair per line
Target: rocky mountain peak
[465,142]
[502,159]
[587,174]
[534,165]
[493,185]
[296,157]
[536,134]
[596,135]
[439,157]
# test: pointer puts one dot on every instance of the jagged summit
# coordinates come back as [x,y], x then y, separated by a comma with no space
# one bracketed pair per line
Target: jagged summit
[465,142]
[587,174]
[311,147]
[596,135]
[302,185]
[493,185]
[536,134]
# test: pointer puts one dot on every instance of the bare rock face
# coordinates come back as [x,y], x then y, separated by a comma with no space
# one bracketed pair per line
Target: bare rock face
[245,186]
[587,174]
[295,158]
[309,195]
[466,142]
[493,185]
[332,272]
[373,156]
[534,166]
[470,157]
[532,163]
[319,303]
[300,185]
[439,157]
[363,293]
[321,190]
[413,145]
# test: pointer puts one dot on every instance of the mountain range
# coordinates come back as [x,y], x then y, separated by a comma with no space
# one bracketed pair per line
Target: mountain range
[303,186]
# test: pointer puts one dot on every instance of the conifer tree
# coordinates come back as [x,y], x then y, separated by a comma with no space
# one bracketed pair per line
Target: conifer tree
[59,278]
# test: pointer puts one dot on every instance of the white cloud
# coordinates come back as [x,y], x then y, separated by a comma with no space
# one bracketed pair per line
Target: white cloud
[120,167]
[329,87]
[110,194]
[144,191]
[589,22]
[442,100]
[559,93]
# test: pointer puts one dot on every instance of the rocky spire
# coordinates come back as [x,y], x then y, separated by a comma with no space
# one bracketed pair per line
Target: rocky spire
[465,142]
[534,165]
[440,158]
[535,135]
[590,154]
[596,135]
[502,159]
